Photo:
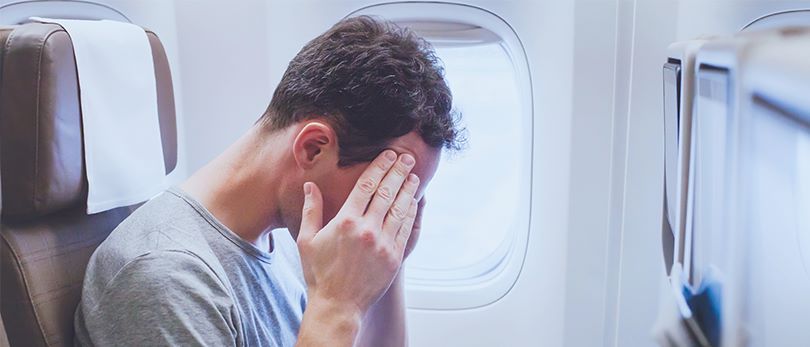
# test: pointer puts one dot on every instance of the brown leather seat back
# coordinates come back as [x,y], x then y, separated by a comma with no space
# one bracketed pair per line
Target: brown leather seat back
[3,336]
[46,237]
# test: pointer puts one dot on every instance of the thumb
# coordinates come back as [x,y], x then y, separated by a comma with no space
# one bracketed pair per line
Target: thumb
[312,214]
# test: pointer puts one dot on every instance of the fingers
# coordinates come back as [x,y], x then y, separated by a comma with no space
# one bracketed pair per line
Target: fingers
[419,208]
[399,210]
[389,188]
[405,230]
[416,228]
[368,182]
[312,214]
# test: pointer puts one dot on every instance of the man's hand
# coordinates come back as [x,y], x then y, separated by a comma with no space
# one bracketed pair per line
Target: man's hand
[385,323]
[349,263]
[416,229]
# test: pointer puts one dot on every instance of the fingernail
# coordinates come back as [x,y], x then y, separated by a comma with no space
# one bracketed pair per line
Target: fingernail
[413,178]
[407,159]
[307,188]
[390,155]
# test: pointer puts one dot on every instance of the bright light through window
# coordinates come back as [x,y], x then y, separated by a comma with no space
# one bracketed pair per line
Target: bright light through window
[474,200]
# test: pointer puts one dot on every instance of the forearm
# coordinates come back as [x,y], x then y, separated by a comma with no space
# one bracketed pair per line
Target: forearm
[327,323]
[384,324]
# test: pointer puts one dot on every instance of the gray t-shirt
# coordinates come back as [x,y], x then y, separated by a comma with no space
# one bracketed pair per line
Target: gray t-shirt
[171,274]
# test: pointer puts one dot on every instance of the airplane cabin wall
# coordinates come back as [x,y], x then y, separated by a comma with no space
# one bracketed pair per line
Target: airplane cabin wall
[226,68]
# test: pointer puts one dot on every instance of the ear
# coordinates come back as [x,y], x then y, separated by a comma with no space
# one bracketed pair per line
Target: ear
[315,142]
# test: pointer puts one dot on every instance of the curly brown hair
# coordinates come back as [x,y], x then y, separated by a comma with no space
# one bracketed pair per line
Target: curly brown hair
[373,81]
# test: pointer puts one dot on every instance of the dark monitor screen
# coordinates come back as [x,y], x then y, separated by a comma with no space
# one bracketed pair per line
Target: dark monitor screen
[672,93]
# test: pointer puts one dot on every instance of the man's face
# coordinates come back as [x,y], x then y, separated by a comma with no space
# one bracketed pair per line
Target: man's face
[337,185]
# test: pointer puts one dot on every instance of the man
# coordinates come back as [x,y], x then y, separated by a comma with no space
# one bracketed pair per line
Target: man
[341,158]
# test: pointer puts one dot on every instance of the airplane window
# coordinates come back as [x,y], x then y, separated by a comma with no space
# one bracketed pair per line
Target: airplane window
[475,230]
[17,12]
[476,196]
[710,136]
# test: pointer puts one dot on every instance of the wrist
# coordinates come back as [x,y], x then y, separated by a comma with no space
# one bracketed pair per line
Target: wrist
[393,295]
[341,317]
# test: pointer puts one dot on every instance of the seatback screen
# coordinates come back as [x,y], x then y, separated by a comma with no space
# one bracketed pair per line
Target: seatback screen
[710,141]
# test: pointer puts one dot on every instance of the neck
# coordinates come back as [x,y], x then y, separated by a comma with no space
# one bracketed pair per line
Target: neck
[241,187]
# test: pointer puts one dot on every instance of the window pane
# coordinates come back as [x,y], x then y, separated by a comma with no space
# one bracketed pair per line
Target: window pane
[475,198]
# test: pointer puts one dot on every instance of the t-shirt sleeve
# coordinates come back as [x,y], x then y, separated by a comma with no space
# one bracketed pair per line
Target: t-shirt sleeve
[164,298]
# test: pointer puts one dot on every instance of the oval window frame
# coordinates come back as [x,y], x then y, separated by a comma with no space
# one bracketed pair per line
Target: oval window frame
[459,294]
[19,12]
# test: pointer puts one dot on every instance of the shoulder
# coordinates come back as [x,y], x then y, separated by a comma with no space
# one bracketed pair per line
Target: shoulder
[162,297]
[161,231]
[166,275]
[167,266]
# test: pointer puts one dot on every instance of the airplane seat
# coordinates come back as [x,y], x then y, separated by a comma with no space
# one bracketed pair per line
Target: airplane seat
[3,335]
[46,235]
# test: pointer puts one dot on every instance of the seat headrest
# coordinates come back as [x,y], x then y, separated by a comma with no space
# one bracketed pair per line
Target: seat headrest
[41,147]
